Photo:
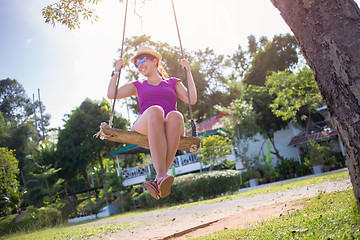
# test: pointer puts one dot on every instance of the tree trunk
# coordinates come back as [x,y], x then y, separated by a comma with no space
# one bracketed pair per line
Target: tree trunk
[86,178]
[103,178]
[328,32]
[48,188]
[276,151]
[71,202]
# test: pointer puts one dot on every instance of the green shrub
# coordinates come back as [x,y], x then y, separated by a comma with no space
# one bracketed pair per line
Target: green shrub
[196,186]
[321,153]
[48,217]
[286,167]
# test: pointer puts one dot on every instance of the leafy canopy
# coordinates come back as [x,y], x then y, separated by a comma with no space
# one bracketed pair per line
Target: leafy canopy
[43,184]
[70,12]
[8,170]
[77,148]
[15,105]
[278,55]
[266,120]
[214,150]
[293,91]
[17,130]
[241,120]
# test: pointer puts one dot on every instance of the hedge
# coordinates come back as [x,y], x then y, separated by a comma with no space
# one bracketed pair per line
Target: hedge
[196,186]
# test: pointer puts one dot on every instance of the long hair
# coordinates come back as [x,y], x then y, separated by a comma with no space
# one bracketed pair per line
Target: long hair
[162,71]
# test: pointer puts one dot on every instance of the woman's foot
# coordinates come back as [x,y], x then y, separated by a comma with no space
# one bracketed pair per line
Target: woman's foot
[152,188]
[164,185]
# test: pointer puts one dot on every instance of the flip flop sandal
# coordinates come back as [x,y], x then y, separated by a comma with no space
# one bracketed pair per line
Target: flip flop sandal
[165,185]
[152,187]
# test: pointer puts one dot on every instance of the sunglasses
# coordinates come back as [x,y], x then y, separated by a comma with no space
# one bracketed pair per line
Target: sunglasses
[142,61]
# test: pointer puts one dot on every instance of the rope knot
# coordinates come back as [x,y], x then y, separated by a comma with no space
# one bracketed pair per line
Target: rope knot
[101,133]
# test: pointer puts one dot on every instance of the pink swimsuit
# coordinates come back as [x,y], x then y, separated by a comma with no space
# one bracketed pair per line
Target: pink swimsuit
[163,95]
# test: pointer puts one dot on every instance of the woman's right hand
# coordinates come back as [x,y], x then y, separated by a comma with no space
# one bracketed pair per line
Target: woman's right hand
[119,64]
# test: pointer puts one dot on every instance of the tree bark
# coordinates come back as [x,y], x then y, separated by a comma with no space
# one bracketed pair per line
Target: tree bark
[86,179]
[276,151]
[103,178]
[328,32]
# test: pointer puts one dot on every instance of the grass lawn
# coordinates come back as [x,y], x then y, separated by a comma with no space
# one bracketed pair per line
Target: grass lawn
[333,216]
[327,216]
[69,232]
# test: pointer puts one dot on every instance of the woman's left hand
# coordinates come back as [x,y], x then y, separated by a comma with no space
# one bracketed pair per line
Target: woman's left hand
[185,64]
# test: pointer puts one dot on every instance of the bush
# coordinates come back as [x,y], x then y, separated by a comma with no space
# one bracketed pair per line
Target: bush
[43,217]
[321,153]
[251,174]
[196,186]
[48,217]
[286,168]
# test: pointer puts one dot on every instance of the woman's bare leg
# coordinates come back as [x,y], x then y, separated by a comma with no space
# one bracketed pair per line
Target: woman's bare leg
[174,128]
[151,123]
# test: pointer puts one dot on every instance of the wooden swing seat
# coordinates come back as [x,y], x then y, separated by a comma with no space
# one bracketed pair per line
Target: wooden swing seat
[191,144]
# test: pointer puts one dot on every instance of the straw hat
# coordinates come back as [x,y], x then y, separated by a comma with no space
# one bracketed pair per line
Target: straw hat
[147,50]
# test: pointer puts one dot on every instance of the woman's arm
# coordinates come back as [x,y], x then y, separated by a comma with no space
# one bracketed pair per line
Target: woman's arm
[181,90]
[124,91]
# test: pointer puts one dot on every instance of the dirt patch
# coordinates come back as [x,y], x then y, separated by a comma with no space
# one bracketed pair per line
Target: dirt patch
[197,220]
[242,219]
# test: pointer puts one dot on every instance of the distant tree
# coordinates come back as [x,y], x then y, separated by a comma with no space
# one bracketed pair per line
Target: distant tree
[4,131]
[214,150]
[268,123]
[76,147]
[211,68]
[16,121]
[293,91]
[15,105]
[278,55]
[14,199]
[259,59]
[240,124]
[254,46]
[8,171]
[43,184]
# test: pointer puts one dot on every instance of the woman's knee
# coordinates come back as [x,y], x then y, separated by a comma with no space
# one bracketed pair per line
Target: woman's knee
[175,117]
[155,113]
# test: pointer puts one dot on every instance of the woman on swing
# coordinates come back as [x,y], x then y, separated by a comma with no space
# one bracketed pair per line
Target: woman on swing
[158,117]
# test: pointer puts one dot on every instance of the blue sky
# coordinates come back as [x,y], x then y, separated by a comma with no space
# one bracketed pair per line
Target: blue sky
[70,66]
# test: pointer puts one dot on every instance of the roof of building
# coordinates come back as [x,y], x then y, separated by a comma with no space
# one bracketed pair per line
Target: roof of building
[211,125]
[302,138]
[129,149]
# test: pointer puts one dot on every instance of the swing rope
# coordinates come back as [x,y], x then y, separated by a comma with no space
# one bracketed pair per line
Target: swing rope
[118,78]
[104,125]
[192,122]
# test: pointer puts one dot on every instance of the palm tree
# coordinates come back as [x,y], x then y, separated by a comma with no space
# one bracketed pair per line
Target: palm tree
[43,182]
[15,199]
